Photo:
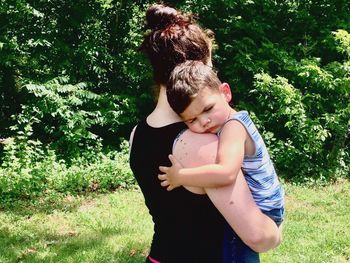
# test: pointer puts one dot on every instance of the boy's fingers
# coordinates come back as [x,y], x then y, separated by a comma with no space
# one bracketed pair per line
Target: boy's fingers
[161,176]
[164,183]
[170,188]
[172,159]
[163,169]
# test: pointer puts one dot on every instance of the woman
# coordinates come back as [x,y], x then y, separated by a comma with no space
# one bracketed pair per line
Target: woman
[187,226]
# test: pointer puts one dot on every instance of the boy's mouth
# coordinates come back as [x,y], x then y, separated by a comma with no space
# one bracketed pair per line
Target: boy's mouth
[211,130]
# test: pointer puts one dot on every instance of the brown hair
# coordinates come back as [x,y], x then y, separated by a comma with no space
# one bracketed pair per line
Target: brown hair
[174,37]
[185,82]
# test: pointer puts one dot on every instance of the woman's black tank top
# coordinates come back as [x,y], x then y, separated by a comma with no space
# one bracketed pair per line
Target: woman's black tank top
[187,226]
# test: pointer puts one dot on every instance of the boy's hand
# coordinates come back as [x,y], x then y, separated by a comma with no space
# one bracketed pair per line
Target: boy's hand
[170,178]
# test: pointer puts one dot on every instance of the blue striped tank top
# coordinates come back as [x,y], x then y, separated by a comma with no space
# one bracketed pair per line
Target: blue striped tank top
[258,169]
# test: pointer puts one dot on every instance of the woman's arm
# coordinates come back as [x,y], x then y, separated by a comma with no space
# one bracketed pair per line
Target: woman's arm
[236,204]
[234,201]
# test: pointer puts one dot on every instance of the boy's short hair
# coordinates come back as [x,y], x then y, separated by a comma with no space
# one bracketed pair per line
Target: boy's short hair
[185,82]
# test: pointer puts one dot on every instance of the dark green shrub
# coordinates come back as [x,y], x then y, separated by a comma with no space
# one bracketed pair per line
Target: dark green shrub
[30,170]
[307,123]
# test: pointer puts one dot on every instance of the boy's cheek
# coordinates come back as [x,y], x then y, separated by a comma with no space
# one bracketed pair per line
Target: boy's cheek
[195,129]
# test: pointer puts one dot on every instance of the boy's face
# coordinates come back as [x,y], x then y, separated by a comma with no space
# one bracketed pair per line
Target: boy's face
[209,110]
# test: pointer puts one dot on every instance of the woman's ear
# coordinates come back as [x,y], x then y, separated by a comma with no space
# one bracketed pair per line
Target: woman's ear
[226,91]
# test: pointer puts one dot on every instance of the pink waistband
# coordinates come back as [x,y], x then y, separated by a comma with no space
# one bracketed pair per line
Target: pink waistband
[153,260]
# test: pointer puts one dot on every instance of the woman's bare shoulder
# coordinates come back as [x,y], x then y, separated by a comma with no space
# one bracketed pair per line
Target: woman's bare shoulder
[193,149]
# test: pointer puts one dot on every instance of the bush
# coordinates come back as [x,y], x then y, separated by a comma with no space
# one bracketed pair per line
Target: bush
[72,84]
[30,170]
[307,122]
[65,115]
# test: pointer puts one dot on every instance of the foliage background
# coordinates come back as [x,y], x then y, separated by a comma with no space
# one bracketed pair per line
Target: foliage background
[73,84]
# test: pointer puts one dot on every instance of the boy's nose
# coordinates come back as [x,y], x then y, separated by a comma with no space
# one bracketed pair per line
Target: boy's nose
[205,121]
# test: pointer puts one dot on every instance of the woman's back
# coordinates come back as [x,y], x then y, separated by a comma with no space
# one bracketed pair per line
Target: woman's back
[188,228]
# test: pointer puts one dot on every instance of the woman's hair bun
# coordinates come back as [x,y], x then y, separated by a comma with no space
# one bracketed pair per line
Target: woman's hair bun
[159,16]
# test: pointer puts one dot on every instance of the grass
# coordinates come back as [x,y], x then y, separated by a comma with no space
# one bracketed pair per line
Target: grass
[116,227]
[111,227]
[316,228]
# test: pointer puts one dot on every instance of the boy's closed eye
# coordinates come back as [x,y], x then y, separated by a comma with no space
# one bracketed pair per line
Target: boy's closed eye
[191,121]
[208,108]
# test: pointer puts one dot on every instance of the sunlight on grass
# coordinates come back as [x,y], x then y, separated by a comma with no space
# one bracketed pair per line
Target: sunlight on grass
[108,228]
[116,227]
[316,228]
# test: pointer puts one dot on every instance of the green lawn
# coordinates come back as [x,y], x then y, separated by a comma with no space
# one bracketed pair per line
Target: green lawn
[317,225]
[116,227]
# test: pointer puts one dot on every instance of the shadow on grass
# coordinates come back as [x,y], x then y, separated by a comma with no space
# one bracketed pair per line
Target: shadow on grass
[47,204]
[29,232]
[91,247]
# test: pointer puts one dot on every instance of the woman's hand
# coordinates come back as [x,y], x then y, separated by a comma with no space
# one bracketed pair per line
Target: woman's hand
[171,176]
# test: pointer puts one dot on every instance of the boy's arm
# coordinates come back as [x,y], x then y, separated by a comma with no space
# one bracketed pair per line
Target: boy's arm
[224,172]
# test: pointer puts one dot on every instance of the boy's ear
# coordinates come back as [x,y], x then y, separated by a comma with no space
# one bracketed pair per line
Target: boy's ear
[226,91]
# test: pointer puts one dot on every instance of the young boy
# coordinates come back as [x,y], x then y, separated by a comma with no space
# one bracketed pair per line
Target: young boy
[202,101]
